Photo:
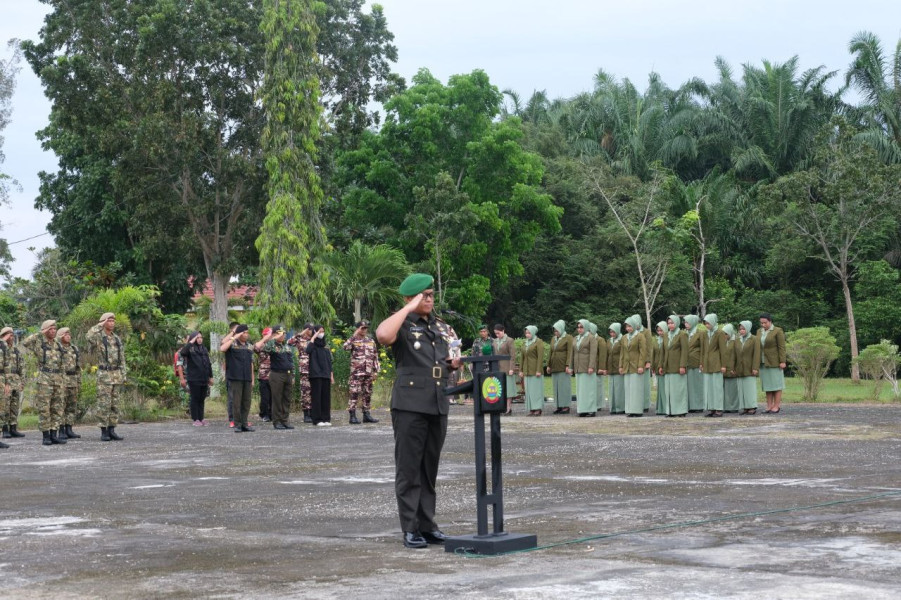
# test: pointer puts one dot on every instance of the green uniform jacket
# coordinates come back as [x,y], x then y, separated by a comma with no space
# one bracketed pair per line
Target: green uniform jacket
[747,356]
[71,365]
[774,348]
[730,359]
[650,345]
[585,356]
[696,346]
[658,356]
[110,355]
[421,372]
[603,351]
[561,354]
[714,356]
[14,367]
[676,355]
[532,358]
[613,356]
[634,353]
[49,355]
[505,347]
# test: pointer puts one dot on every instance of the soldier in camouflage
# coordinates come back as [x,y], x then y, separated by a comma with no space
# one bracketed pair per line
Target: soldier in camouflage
[71,382]
[110,352]
[263,368]
[13,369]
[364,368]
[4,390]
[300,341]
[48,396]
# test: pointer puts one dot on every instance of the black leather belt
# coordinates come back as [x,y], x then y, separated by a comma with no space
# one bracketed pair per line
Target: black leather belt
[103,368]
[71,372]
[54,371]
[436,372]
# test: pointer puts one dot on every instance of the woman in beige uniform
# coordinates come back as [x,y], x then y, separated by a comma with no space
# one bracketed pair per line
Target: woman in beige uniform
[585,355]
[530,371]
[696,342]
[617,390]
[559,367]
[747,363]
[632,367]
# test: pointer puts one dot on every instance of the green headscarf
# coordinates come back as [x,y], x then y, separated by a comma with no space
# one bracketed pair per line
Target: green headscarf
[561,327]
[677,322]
[584,323]
[635,322]
[534,331]
[661,325]
[712,319]
[593,328]
[692,320]
[747,335]
[617,329]
[640,323]
[730,330]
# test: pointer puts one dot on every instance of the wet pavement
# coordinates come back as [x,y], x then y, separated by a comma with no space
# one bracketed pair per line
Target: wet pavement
[176,511]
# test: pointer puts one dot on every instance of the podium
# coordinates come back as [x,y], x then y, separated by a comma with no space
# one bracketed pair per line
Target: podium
[489,393]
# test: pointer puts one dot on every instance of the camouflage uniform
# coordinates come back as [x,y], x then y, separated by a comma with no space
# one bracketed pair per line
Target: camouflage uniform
[110,353]
[303,367]
[71,382]
[4,397]
[48,397]
[364,367]
[14,370]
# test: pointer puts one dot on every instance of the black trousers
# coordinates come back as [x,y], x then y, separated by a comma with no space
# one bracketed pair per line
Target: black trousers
[418,439]
[239,399]
[265,399]
[197,392]
[280,384]
[321,398]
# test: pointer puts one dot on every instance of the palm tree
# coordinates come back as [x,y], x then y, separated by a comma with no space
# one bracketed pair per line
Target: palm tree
[367,276]
[880,84]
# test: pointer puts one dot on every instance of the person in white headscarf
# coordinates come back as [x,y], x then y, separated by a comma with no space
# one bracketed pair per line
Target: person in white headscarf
[697,339]
[617,388]
[747,363]
[730,380]
[530,371]
[675,368]
[585,356]
[559,367]
[632,367]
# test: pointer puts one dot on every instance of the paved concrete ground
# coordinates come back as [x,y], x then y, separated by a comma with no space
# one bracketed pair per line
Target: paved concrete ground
[181,512]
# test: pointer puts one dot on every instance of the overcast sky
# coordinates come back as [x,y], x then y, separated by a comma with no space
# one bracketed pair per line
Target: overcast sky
[525,45]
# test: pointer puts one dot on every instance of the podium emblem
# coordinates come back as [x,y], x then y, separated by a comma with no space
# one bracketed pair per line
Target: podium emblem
[492,390]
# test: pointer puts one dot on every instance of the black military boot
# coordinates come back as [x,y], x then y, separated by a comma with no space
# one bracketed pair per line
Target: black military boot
[14,432]
[113,435]
[353,417]
[104,434]
[61,433]
[71,434]
[46,441]
[6,433]
[367,418]
[2,445]
[55,439]
[307,418]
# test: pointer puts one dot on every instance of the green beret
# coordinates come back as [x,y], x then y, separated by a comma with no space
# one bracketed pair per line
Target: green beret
[415,283]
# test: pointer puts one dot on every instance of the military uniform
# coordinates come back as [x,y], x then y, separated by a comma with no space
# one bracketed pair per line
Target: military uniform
[71,383]
[419,416]
[712,365]
[14,370]
[585,356]
[281,356]
[110,353]
[697,341]
[633,357]
[48,395]
[617,385]
[531,363]
[747,364]
[675,370]
[263,382]
[303,370]
[364,367]
[560,359]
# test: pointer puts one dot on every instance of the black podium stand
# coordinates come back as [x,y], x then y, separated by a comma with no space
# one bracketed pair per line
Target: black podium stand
[489,393]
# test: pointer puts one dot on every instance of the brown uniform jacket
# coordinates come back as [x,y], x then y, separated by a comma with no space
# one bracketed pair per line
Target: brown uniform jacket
[505,347]
[603,351]
[585,356]
[696,346]
[747,356]
[561,354]
[532,358]
[634,353]
[676,355]
[731,357]
[421,371]
[773,348]
[714,356]
[613,355]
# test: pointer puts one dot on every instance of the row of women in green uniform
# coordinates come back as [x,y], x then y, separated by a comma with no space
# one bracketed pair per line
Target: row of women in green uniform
[699,366]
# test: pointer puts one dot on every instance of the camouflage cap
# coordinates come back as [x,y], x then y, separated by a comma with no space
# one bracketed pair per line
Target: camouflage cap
[47,325]
[6,330]
[61,332]
[415,283]
[106,316]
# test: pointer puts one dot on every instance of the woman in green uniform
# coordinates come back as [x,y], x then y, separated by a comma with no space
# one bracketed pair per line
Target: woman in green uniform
[730,380]
[617,391]
[530,371]
[696,343]
[772,357]
[675,368]
[559,367]
[657,366]
[585,355]
[503,346]
[632,367]
[747,363]
[712,367]
[603,351]
[593,329]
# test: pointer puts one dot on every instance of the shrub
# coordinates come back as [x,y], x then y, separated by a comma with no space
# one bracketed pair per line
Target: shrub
[880,363]
[811,350]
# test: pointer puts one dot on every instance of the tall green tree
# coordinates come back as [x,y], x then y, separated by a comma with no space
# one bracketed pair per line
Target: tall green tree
[292,244]
[366,278]
[878,78]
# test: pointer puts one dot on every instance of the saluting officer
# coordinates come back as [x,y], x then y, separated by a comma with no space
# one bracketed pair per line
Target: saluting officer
[71,383]
[15,369]
[48,397]
[420,342]
[110,353]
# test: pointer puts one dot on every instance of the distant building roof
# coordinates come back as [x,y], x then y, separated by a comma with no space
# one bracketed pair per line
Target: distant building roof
[246,293]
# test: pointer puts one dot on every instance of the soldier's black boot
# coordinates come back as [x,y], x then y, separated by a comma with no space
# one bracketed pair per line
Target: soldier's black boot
[307,418]
[2,445]
[55,439]
[113,435]
[46,441]
[353,417]
[104,434]
[71,434]
[6,433]
[14,432]
[61,433]
[367,418]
